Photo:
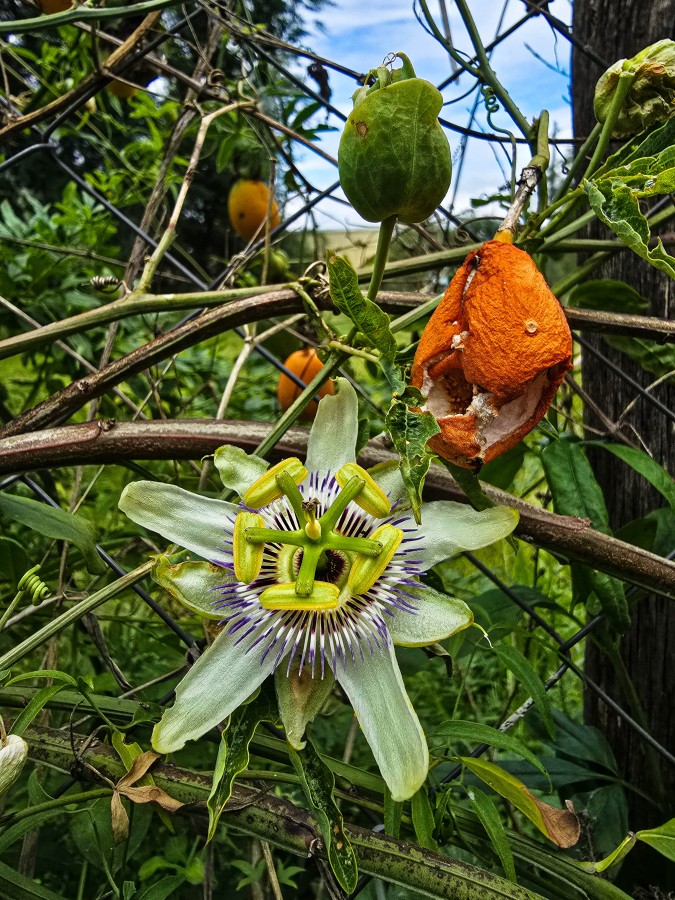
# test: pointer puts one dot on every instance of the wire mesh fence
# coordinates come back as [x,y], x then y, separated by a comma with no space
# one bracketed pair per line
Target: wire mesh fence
[36,437]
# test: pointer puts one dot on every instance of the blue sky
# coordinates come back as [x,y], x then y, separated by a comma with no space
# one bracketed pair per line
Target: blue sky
[360,33]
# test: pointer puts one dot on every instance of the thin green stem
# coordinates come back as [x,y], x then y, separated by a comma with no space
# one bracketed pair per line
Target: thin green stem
[353,487]
[565,284]
[444,42]
[565,231]
[82,13]
[381,255]
[293,495]
[488,72]
[301,402]
[352,351]
[10,609]
[353,545]
[618,100]
[577,162]
[537,220]
[131,305]
[49,805]
[272,536]
[38,638]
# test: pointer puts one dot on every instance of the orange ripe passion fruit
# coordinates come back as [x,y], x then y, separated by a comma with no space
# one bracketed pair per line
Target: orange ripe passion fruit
[121,89]
[492,355]
[247,207]
[305,364]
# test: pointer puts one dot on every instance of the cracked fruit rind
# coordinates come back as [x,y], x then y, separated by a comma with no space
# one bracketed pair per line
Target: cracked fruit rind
[247,208]
[492,355]
[394,158]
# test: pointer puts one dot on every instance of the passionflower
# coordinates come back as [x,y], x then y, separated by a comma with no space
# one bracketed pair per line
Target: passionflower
[314,576]
[492,356]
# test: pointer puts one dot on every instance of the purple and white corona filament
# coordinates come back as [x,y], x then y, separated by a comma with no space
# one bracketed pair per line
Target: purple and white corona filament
[311,637]
[315,578]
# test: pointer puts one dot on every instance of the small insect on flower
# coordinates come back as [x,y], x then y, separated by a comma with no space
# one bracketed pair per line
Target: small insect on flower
[314,576]
[492,355]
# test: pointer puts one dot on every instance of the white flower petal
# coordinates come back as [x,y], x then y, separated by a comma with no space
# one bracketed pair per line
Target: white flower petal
[375,688]
[438,617]
[194,522]
[238,470]
[332,440]
[220,681]
[387,475]
[448,528]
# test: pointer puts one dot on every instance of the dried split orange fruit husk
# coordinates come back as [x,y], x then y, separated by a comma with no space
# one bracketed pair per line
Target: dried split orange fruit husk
[492,356]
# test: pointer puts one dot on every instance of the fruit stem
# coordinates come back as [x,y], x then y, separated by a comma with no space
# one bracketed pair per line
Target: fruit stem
[381,255]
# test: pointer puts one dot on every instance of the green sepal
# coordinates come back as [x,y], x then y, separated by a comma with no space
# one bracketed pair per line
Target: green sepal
[193,584]
[300,699]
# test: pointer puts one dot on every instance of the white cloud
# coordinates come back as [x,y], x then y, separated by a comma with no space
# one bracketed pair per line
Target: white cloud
[359,34]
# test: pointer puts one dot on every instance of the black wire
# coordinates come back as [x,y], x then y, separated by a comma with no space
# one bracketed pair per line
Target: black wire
[662,408]
[186,638]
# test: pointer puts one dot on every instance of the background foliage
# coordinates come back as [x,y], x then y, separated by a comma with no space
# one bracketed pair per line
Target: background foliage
[87,189]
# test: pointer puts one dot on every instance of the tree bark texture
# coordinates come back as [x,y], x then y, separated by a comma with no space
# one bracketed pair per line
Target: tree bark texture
[613,29]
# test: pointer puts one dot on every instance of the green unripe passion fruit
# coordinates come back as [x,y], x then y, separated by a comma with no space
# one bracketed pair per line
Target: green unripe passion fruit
[394,158]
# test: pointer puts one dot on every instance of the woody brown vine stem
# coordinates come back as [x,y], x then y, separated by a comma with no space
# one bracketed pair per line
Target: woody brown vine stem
[648,327]
[262,814]
[108,441]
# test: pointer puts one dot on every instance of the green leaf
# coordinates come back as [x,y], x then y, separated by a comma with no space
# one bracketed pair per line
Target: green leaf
[423,819]
[163,889]
[318,784]
[651,143]
[233,753]
[34,706]
[649,355]
[502,471]
[521,667]
[55,523]
[491,822]
[661,839]
[616,296]
[20,887]
[559,825]
[346,294]
[476,733]
[655,474]
[470,484]
[615,204]
[410,432]
[13,561]
[573,485]
[610,296]
[577,493]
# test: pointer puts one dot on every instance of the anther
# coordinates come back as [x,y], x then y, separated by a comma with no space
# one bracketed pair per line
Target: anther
[247,555]
[367,569]
[370,497]
[267,488]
